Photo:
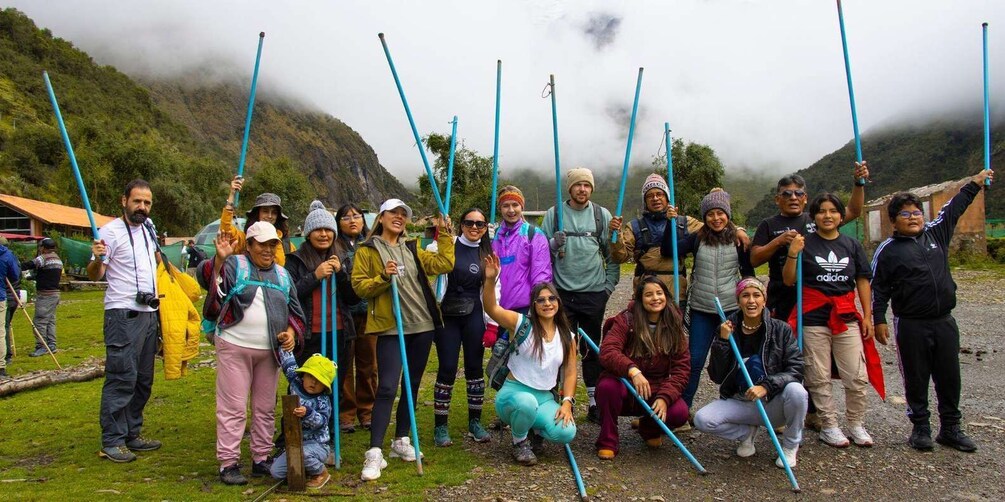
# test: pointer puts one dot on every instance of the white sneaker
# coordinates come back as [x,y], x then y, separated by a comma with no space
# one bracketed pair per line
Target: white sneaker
[746,448]
[373,462]
[790,457]
[859,436]
[834,437]
[402,448]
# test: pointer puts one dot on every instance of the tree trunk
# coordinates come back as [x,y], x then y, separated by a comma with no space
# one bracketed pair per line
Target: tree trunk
[82,373]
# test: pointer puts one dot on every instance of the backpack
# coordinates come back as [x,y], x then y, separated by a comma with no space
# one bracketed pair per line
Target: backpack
[598,218]
[211,328]
[199,253]
[644,240]
[496,369]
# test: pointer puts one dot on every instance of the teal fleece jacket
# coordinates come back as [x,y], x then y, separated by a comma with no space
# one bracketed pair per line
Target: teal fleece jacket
[584,268]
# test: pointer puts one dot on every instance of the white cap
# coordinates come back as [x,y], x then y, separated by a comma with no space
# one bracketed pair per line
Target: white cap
[391,204]
[262,231]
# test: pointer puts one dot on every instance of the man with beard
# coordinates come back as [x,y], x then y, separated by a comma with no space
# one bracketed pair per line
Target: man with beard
[126,255]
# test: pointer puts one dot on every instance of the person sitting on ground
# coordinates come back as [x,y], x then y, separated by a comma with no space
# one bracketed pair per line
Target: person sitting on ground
[545,355]
[48,271]
[645,344]
[268,207]
[775,363]
[312,383]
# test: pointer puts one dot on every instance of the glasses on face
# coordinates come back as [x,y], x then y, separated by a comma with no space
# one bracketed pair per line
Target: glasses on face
[907,214]
[789,193]
[656,196]
[473,224]
[351,217]
[541,300]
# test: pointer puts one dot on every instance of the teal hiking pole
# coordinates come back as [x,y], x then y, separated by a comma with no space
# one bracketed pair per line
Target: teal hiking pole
[673,226]
[760,405]
[799,299]
[450,183]
[336,423]
[648,409]
[575,472]
[987,106]
[69,153]
[558,164]
[495,145]
[628,151]
[851,88]
[247,118]
[404,369]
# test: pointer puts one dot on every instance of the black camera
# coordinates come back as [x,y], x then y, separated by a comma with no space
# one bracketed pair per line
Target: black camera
[149,299]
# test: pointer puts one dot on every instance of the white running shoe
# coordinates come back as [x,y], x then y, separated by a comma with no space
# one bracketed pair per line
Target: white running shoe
[402,448]
[834,437]
[746,448]
[859,436]
[373,462]
[790,457]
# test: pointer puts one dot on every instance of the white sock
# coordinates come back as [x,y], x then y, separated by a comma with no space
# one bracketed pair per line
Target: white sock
[591,393]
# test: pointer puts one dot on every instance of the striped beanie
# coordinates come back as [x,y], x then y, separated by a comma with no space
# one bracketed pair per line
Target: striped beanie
[655,181]
[510,192]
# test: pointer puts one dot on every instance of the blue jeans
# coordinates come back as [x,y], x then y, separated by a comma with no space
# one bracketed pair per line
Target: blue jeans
[703,329]
[315,455]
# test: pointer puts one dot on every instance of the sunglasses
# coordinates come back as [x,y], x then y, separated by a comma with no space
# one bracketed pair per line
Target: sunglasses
[541,300]
[908,214]
[473,223]
[789,193]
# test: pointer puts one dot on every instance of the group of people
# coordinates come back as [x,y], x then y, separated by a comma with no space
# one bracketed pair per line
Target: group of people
[527,293]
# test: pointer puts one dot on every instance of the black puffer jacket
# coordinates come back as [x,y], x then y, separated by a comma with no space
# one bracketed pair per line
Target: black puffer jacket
[783,361]
[305,283]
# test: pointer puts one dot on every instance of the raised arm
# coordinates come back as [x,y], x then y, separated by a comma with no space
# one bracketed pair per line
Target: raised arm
[857,201]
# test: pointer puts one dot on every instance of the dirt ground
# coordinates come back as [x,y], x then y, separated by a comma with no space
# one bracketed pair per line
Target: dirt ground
[890,470]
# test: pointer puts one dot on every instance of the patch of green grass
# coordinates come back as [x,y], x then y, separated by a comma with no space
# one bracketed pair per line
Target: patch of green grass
[51,436]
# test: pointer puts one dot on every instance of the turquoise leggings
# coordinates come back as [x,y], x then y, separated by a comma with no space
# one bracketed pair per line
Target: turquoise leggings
[524,408]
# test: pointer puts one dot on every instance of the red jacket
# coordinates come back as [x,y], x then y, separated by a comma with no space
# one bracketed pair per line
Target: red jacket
[845,304]
[667,373]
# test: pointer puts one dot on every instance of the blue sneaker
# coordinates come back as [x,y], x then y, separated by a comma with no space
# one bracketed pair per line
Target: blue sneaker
[441,436]
[477,432]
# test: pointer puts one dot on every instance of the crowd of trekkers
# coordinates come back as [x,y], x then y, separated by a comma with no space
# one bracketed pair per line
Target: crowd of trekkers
[528,293]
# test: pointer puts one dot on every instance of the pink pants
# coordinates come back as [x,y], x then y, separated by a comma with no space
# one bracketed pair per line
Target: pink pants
[240,371]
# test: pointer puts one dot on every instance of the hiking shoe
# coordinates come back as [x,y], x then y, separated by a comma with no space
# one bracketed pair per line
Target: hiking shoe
[605,454]
[593,414]
[477,432]
[834,437]
[683,428]
[140,443]
[860,436]
[316,482]
[373,462]
[232,476]
[3,374]
[441,437]
[921,438]
[655,442]
[953,437]
[523,454]
[635,424]
[39,352]
[347,428]
[365,426]
[790,457]
[536,442]
[263,468]
[746,447]
[812,422]
[119,454]
[402,448]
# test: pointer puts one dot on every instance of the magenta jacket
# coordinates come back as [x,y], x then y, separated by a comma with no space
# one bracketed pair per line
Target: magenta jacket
[524,263]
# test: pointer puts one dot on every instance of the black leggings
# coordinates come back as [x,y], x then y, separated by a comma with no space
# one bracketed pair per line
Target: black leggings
[586,310]
[389,375]
[456,332]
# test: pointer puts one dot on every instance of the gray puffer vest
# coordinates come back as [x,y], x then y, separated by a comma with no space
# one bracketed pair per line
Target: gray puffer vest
[716,272]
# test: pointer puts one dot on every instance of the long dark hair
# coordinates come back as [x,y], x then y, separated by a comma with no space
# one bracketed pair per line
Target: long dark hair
[485,243]
[668,337]
[342,211]
[280,224]
[561,323]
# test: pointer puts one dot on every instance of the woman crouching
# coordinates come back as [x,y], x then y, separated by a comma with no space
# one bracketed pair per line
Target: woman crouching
[646,344]
[544,358]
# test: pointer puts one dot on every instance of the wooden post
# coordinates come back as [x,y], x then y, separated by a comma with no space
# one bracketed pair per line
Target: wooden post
[295,476]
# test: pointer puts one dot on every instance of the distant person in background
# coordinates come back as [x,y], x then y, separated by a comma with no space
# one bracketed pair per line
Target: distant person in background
[268,207]
[12,303]
[10,270]
[194,256]
[48,270]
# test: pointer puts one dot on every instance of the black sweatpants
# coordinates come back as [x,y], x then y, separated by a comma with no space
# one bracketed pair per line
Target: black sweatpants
[930,348]
[586,310]
[417,347]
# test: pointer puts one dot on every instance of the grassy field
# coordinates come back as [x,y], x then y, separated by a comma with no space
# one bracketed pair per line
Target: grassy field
[51,436]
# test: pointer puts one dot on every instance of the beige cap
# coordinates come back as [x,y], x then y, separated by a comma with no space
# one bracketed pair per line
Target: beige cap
[262,231]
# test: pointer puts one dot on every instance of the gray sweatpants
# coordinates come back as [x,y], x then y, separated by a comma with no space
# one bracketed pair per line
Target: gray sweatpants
[45,319]
[732,418]
[130,346]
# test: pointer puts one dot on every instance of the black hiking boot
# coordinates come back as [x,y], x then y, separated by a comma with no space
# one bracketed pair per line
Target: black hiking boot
[921,438]
[523,454]
[953,437]
[232,476]
[593,414]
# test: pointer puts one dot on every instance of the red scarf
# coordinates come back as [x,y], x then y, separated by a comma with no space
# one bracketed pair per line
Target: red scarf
[845,304]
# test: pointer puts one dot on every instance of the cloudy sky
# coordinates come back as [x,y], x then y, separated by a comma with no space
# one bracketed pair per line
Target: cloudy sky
[760,81]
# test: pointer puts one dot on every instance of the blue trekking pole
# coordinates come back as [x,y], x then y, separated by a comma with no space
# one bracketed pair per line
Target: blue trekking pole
[628,151]
[673,226]
[251,108]
[649,410]
[495,145]
[558,163]
[760,405]
[450,183]
[415,132]
[851,88]
[799,299]
[987,107]
[575,472]
[69,152]
[404,369]
[337,385]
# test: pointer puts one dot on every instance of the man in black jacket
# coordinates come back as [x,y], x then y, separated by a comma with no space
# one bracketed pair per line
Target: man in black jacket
[911,272]
[48,271]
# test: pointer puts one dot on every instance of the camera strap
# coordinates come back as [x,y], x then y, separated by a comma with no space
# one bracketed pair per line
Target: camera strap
[146,247]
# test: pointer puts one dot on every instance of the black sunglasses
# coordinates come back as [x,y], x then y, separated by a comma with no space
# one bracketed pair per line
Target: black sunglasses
[789,193]
[473,223]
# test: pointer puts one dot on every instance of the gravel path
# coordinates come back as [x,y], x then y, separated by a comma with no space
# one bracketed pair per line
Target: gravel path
[889,470]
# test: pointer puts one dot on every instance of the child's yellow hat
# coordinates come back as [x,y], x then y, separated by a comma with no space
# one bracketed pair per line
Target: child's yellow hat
[321,368]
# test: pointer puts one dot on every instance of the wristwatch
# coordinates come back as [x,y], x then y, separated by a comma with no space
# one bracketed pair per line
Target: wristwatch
[569,399]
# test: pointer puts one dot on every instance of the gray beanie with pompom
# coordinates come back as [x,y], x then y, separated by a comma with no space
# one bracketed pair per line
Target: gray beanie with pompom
[318,217]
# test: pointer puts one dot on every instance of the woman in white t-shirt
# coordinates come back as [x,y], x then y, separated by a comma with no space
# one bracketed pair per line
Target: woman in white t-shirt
[546,351]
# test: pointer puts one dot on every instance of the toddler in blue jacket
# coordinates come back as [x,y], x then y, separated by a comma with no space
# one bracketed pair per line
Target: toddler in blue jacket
[313,384]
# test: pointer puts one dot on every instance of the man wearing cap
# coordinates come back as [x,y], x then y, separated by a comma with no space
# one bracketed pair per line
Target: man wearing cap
[125,254]
[523,255]
[48,270]
[11,272]
[584,272]
[268,207]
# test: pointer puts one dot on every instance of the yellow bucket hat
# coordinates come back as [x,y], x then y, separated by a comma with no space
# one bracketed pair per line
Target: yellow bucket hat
[321,368]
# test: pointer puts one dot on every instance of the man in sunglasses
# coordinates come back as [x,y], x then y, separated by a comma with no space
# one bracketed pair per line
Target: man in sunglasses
[911,272]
